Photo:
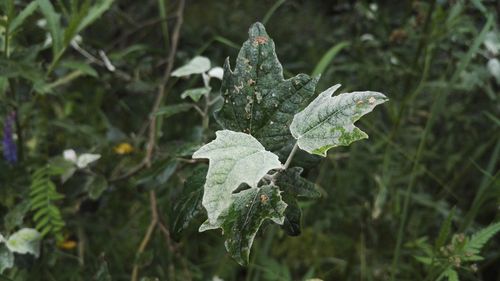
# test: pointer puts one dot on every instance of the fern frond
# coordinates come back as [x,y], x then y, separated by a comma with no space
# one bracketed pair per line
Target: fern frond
[480,238]
[43,195]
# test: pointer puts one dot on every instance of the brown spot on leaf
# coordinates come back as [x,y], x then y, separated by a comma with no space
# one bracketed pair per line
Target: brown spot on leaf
[264,198]
[259,40]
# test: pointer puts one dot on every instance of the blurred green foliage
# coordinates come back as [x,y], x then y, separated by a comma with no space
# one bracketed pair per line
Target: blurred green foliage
[83,75]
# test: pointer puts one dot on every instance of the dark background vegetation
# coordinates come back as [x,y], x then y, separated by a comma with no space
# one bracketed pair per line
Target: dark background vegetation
[433,147]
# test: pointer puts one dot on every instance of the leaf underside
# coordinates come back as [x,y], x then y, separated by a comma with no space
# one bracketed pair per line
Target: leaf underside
[235,158]
[329,121]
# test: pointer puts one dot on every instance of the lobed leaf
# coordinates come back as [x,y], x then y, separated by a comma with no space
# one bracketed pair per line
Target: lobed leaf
[257,98]
[241,221]
[235,158]
[26,240]
[329,121]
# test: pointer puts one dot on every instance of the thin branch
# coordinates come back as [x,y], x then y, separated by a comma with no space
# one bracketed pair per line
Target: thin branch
[151,144]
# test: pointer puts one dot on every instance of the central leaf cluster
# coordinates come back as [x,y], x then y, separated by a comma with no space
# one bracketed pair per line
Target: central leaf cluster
[264,116]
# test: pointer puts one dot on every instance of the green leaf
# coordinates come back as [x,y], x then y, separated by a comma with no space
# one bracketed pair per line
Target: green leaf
[13,69]
[26,240]
[16,215]
[169,110]
[293,186]
[235,158]
[84,68]
[158,174]
[293,214]
[6,258]
[95,186]
[53,24]
[103,273]
[329,121]
[25,13]
[189,203]
[242,220]
[94,13]
[451,274]
[445,230]
[196,94]
[479,239]
[291,182]
[197,65]
[257,98]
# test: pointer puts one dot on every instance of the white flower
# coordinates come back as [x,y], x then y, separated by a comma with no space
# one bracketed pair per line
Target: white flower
[81,161]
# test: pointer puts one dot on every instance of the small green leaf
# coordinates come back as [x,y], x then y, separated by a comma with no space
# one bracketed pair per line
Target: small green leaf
[53,24]
[445,230]
[197,65]
[451,274]
[242,220]
[16,215]
[6,258]
[235,158]
[329,121]
[158,174]
[26,240]
[84,68]
[94,13]
[103,272]
[291,182]
[25,13]
[293,214]
[480,238]
[189,203]
[169,110]
[196,94]
[95,186]
[424,260]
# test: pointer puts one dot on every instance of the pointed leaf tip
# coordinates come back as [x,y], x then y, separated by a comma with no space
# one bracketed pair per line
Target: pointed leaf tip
[257,29]
[328,121]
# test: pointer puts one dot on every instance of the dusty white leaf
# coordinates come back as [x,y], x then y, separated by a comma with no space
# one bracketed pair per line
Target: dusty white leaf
[6,258]
[492,42]
[197,65]
[26,240]
[70,155]
[216,72]
[196,93]
[494,69]
[85,159]
[235,158]
[329,121]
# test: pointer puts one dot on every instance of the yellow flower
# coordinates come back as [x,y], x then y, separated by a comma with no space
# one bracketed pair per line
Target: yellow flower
[67,244]
[123,148]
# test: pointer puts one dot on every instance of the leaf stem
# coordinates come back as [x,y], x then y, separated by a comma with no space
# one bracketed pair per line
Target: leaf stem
[290,156]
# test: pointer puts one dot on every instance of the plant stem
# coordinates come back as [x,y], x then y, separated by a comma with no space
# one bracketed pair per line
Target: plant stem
[206,117]
[290,156]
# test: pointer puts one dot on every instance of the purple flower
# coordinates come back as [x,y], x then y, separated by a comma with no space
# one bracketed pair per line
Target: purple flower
[9,146]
